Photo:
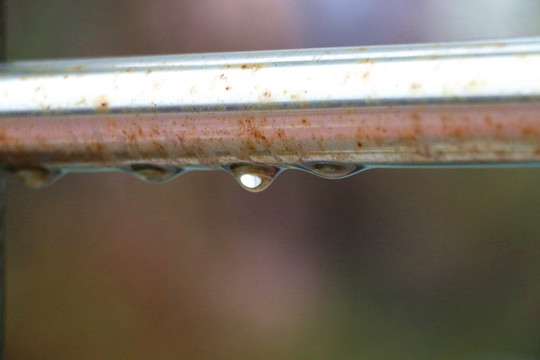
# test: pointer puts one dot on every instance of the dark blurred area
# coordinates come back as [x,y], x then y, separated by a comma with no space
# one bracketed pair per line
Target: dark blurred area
[388,264]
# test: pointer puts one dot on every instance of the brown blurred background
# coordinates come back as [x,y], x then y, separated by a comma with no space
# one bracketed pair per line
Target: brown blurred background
[388,264]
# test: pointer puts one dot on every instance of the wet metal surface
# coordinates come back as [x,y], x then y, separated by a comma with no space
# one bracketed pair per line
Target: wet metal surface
[450,104]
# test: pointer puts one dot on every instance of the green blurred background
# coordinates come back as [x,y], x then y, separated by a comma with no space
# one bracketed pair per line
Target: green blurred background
[388,264]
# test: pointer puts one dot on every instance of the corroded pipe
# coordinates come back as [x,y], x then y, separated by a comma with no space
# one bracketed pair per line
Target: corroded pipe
[332,112]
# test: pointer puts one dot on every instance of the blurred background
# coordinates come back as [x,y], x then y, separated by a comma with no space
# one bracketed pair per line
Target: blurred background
[388,264]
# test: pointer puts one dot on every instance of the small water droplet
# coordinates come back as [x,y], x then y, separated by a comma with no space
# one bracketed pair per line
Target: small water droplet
[155,173]
[332,170]
[37,177]
[252,177]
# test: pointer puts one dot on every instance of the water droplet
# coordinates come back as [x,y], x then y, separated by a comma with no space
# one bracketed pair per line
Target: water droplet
[332,170]
[252,177]
[155,173]
[37,177]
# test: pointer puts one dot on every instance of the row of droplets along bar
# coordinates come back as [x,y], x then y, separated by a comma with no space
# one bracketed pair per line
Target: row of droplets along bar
[252,177]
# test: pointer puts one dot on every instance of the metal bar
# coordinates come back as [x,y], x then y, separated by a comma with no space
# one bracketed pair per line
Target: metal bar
[317,110]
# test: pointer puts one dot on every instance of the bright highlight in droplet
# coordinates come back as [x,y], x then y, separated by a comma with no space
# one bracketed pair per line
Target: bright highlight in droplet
[250,181]
[253,177]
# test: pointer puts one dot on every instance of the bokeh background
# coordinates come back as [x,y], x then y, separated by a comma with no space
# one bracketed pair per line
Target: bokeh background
[388,264]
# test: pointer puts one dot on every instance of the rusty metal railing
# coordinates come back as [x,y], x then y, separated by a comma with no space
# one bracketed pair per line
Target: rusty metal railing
[332,112]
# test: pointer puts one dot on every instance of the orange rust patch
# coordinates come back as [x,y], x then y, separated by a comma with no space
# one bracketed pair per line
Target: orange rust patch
[458,132]
[111,122]
[102,104]
[528,130]
[415,115]
[253,67]
[359,132]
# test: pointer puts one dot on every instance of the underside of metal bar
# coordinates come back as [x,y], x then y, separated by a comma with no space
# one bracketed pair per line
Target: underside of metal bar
[318,110]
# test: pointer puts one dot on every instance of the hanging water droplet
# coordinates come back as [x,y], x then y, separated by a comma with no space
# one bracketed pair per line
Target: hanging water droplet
[37,177]
[155,173]
[332,170]
[254,178]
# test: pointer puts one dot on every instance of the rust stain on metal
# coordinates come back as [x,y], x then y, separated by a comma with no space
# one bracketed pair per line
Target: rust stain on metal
[254,67]
[368,61]
[263,131]
[366,76]
[265,96]
[101,104]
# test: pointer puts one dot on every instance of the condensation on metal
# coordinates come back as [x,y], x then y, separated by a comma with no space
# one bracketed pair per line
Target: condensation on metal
[472,103]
